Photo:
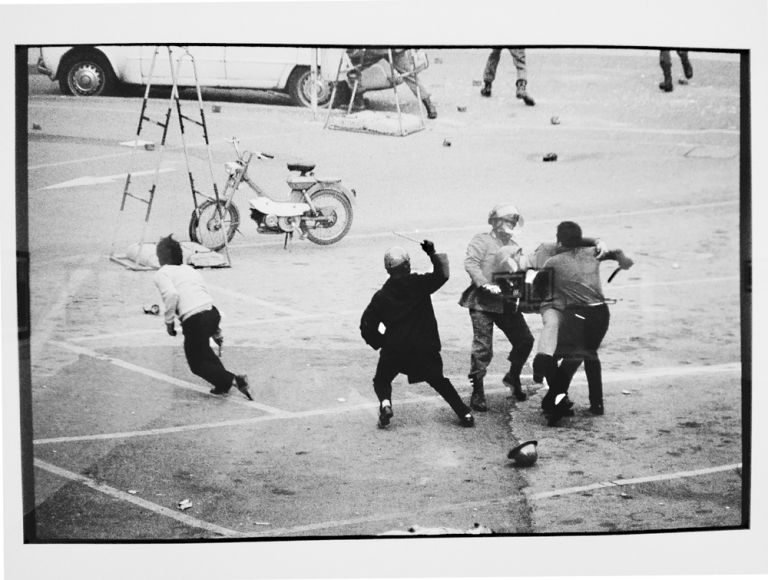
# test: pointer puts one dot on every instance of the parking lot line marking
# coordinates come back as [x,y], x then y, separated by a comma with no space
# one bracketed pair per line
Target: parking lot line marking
[160,376]
[441,303]
[81,160]
[137,501]
[250,298]
[388,232]
[634,481]
[608,377]
[452,507]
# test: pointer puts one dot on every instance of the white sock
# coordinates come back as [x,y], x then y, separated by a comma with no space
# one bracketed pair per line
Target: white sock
[386,403]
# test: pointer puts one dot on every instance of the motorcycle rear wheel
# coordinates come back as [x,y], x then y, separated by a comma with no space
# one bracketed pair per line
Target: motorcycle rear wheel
[330,203]
[211,221]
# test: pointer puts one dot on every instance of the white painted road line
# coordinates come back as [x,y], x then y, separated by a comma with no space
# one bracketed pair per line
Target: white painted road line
[608,378]
[480,227]
[81,160]
[160,376]
[96,180]
[634,481]
[137,501]
[255,300]
[338,313]
[465,506]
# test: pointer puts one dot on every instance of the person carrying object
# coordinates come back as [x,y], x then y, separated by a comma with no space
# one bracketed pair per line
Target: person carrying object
[486,305]
[410,343]
[186,297]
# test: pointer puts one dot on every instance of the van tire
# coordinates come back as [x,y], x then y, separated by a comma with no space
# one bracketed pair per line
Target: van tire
[87,74]
[299,88]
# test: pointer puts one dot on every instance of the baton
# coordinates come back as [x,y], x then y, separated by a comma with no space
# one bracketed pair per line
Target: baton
[407,237]
[612,276]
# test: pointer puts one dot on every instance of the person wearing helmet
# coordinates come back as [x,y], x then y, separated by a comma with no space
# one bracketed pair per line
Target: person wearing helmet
[410,343]
[186,296]
[486,305]
[583,318]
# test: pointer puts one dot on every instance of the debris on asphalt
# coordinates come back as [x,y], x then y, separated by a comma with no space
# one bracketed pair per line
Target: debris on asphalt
[216,109]
[437,60]
[626,393]
[341,400]
[477,83]
[152,309]
[184,504]
[446,143]
[132,491]
[550,157]
[555,120]
[149,146]
[36,127]
[461,109]
[626,496]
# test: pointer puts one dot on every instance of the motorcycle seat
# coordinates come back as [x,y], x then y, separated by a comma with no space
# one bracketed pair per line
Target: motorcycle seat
[302,168]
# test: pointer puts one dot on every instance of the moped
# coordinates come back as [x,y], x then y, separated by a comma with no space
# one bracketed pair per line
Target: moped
[319,209]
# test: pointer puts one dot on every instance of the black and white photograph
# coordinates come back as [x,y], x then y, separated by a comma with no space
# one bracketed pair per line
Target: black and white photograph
[383,289]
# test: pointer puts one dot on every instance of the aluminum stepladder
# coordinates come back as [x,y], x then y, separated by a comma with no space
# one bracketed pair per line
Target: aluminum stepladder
[138,259]
[394,79]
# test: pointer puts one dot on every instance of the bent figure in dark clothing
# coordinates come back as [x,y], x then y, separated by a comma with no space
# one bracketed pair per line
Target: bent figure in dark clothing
[410,343]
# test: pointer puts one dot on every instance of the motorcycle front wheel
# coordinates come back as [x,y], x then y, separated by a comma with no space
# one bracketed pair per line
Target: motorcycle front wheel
[336,211]
[212,221]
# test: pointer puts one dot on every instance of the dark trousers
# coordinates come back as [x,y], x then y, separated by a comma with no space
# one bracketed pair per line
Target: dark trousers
[198,330]
[514,327]
[427,367]
[581,334]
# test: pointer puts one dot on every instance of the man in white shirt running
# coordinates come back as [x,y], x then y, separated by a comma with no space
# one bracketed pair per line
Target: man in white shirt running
[185,295]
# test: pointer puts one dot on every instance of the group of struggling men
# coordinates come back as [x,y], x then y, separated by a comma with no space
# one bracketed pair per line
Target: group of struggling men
[575,318]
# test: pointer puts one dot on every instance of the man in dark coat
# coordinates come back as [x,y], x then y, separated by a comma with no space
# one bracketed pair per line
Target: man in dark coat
[410,343]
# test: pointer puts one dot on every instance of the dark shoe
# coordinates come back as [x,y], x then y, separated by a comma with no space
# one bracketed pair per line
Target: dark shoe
[477,400]
[597,409]
[565,407]
[385,414]
[241,382]
[486,90]
[431,110]
[358,104]
[218,391]
[513,382]
[522,93]
[467,420]
[667,87]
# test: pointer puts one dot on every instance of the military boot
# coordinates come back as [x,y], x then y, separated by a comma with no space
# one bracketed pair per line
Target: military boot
[486,90]
[430,106]
[477,400]
[666,85]
[522,93]
[512,380]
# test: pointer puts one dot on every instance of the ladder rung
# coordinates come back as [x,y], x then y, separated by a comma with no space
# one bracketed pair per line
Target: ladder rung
[159,123]
[129,194]
[195,121]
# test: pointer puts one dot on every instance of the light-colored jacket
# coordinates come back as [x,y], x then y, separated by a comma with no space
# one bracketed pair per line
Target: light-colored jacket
[183,290]
[481,262]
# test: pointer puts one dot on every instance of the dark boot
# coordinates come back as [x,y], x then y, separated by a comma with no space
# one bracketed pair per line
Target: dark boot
[512,380]
[486,90]
[687,68]
[522,93]
[358,103]
[543,368]
[431,110]
[666,84]
[477,400]
[593,370]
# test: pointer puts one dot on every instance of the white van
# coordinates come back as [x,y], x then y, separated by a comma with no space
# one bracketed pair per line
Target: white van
[87,70]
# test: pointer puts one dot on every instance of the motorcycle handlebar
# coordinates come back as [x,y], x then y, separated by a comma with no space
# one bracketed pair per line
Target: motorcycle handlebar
[235,142]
